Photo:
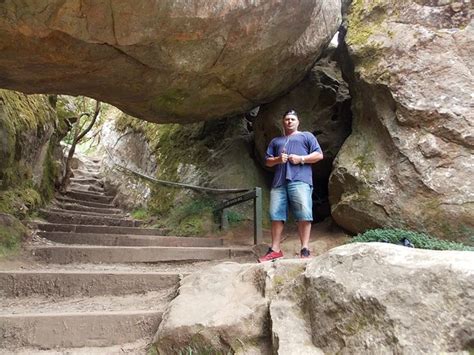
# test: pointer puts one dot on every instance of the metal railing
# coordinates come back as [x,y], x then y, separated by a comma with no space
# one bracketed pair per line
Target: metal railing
[254,194]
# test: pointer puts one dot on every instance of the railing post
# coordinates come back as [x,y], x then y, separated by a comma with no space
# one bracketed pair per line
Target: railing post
[257,217]
[224,219]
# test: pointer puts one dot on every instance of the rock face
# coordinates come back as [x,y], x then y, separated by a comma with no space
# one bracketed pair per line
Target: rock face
[322,101]
[170,61]
[129,149]
[357,298]
[409,161]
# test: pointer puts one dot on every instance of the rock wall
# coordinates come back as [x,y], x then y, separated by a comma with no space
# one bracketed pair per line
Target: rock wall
[29,130]
[211,154]
[409,160]
[166,61]
[29,133]
[358,298]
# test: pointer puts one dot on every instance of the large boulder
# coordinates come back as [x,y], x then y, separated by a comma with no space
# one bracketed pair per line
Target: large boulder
[164,61]
[409,161]
[220,309]
[357,298]
[383,298]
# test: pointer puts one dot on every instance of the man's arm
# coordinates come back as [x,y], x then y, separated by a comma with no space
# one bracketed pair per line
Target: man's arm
[312,158]
[272,161]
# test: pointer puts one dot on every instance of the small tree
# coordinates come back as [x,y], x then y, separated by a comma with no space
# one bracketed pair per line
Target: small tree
[77,136]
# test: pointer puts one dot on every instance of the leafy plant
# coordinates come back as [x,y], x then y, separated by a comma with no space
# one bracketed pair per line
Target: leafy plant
[419,240]
[140,213]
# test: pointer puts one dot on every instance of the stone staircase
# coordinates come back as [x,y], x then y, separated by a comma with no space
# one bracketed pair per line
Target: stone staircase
[101,281]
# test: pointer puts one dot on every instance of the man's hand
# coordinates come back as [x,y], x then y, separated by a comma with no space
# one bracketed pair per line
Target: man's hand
[295,159]
[283,158]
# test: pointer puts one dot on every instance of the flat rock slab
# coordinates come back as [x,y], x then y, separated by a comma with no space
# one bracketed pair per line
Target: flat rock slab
[85,283]
[129,240]
[94,254]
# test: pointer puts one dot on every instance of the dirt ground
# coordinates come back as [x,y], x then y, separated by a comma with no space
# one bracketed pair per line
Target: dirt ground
[325,235]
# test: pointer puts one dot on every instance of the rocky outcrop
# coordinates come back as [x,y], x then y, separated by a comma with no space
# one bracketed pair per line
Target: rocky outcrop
[409,161]
[323,102]
[164,62]
[357,298]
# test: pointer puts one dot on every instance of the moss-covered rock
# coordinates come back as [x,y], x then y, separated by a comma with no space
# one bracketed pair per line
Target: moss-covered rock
[12,232]
[30,131]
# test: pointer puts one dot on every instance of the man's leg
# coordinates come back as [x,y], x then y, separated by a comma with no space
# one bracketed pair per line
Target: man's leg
[277,229]
[302,207]
[278,216]
[304,231]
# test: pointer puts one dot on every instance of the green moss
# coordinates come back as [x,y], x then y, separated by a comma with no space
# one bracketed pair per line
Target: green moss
[152,350]
[170,100]
[366,18]
[140,213]
[11,234]
[50,171]
[23,116]
[419,240]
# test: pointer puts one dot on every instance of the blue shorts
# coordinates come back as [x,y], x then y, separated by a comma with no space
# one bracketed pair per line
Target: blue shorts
[297,196]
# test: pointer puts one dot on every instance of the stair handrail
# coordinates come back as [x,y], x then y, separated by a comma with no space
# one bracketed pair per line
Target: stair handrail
[248,193]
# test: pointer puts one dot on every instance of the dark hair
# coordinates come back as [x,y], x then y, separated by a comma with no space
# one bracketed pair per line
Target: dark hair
[290,112]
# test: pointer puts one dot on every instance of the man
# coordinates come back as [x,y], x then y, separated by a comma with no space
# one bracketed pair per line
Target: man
[292,184]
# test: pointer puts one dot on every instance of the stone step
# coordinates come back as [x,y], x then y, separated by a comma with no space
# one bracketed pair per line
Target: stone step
[77,207]
[85,212]
[64,283]
[85,203]
[136,347]
[77,330]
[129,240]
[108,254]
[88,188]
[80,228]
[84,173]
[80,321]
[89,196]
[72,218]
[87,181]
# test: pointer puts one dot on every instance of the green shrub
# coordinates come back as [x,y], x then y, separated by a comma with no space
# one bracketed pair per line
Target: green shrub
[140,213]
[419,240]
[234,217]
[192,217]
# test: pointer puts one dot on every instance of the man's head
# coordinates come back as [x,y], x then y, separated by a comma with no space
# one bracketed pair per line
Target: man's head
[290,122]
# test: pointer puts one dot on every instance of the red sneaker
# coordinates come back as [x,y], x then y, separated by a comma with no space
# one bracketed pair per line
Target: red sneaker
[271,255]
